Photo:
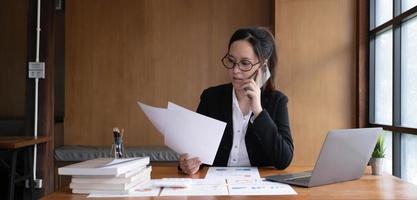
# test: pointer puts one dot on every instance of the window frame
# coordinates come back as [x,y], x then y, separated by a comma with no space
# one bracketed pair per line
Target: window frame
[396,128]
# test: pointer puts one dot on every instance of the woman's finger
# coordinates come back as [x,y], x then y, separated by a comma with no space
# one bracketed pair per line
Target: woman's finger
[249,85]
[191,163]
[251,93]
[252,82]
[183,156]
[195,164]
[194,170]
[258,76]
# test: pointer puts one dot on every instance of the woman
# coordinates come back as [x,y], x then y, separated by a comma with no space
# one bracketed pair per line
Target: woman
[257,131]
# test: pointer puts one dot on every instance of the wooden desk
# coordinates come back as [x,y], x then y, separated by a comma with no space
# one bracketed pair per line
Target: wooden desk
[16,142]
[13,145]
[368,187]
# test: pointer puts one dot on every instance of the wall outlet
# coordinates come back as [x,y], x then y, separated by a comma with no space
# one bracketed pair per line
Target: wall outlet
[36,70]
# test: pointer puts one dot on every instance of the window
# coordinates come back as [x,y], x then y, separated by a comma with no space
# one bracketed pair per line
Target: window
[393,82]
[409,161]
[407,4]
[383,78]
[383,11]
[409,73]
[388,152]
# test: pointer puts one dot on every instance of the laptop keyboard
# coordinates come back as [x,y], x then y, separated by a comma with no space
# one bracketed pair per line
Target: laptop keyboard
[295,175]
[303,179]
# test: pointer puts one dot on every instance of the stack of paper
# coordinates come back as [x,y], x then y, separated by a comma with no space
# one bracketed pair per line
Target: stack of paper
[219,181]
[146,190]
[108,175]
[186,131]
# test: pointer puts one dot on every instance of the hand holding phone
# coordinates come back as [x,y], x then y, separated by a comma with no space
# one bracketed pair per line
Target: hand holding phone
[262,78]
[252,87]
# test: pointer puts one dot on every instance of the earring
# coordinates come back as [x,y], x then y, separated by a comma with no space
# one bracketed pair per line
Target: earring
[266,62]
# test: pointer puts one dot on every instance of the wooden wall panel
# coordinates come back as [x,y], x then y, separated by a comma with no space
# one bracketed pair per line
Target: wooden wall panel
[117,52]
[13,42]
[362,66]
[316,69]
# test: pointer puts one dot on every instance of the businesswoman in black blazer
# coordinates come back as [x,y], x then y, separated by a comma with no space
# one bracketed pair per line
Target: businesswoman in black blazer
[258,129]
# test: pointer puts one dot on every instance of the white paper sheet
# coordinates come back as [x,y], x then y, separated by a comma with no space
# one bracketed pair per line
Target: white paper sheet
[193,133]
[209,187]
[199,187]
[232,172]
[155,115]
[103,166]
[138,191]
[258,187]
[186,131]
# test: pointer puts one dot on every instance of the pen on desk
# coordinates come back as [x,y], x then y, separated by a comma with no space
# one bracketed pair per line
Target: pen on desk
[121,149]
[115,133]
[117,143]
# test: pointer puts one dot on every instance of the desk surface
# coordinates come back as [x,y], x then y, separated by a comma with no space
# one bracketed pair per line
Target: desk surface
[368,187]
[16,142]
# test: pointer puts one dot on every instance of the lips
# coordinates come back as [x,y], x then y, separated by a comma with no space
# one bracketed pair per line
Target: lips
[237,79]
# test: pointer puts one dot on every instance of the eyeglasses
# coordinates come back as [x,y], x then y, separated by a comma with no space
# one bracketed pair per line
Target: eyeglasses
[244,65]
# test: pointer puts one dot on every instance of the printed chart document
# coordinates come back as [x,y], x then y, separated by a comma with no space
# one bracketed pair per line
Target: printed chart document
[186,131]
[232,172]
[199,187]
[258,187]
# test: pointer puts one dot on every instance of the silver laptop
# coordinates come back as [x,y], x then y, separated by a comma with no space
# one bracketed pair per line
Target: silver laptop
[343,157]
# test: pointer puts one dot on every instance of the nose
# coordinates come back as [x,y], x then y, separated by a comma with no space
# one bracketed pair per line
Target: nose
[236,68]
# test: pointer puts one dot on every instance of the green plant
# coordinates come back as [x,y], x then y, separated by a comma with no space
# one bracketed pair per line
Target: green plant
[379,150]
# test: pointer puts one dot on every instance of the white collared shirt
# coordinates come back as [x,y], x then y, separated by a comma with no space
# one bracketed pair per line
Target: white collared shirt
[239,154]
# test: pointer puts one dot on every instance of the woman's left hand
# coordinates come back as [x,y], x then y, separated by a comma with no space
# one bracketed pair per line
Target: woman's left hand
[253,91]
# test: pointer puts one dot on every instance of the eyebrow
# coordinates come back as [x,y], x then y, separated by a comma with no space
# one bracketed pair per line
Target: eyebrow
[244,58]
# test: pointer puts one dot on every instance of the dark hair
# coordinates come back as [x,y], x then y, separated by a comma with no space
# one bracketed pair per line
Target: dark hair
[263,44]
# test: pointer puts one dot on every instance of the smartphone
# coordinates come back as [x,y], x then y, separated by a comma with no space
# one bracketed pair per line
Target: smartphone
[264,76]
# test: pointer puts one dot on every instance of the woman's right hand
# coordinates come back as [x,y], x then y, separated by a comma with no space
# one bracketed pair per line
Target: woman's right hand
[189,166]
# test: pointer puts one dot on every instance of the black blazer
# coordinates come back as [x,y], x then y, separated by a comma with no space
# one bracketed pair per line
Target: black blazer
[268,139]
